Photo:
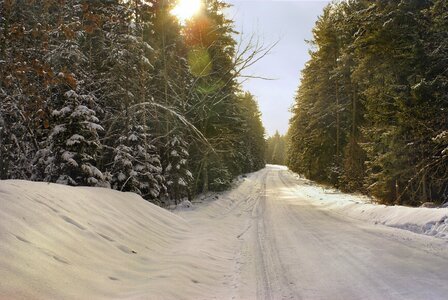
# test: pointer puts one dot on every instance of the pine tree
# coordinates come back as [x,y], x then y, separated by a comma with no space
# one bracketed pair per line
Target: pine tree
[70,152]
[118,59]
[371,99]
[252,143]
[72,147]
[276,149]
[24,79]
[99,92]
[177,174]
[137,167]
[171,85]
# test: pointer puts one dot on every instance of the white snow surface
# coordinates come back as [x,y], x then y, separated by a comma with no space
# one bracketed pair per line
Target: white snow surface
[270,237]
[61,242]
[429,221]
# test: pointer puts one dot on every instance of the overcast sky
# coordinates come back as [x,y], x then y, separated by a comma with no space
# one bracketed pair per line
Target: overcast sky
[290,23]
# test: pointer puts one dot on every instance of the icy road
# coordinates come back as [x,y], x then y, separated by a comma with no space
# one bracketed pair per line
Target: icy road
[273,236]
[293,250]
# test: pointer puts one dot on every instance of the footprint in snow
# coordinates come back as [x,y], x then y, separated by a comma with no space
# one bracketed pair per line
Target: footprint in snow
[126,249]
[105,237]
[60,259]
[22,239]
[73,222]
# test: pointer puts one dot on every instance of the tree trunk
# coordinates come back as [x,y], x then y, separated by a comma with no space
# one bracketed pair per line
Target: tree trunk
[354,115]
[337,122]
[205,175]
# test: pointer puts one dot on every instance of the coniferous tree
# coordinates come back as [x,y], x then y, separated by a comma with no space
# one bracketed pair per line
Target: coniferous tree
[252,145]
[120,93]
[383,123]
[70,152]
[171,84]
[276,152]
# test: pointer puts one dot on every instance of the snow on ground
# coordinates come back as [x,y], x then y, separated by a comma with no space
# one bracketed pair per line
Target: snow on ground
[429,221]
[272,236]
[309,251]
[60,242]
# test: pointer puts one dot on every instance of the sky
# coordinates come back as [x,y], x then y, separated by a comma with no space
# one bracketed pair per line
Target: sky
[290,23]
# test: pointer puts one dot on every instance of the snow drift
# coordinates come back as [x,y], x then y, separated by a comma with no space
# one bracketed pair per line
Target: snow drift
[63,242]
[60,242]
[428,221]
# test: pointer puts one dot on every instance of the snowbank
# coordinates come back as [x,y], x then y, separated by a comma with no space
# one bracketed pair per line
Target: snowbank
[429,221]
[60,242]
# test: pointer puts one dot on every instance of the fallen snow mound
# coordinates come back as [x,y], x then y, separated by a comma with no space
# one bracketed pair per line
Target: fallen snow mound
[60,242]
[184,205]
[429,221]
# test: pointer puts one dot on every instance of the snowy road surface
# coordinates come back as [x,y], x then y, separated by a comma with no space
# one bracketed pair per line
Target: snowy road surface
[267,238]
[296,251]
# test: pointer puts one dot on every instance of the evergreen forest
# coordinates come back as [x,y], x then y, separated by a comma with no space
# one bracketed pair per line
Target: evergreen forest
[371,112]
[276,149]
[121,94]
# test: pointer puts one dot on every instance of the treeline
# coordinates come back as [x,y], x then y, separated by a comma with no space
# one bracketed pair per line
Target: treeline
[119,94]
[276,147]
[371,113]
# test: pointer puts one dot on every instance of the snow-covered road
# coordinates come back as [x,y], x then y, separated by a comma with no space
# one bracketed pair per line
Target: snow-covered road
[294,250]
[301,252]
[273,236]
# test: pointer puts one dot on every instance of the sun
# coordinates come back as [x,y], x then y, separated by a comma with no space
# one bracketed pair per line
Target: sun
[186,9]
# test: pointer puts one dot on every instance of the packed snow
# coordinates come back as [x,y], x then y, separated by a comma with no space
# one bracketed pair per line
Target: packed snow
[273,236]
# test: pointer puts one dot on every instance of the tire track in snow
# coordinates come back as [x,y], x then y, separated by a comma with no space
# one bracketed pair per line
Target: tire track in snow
[349,259]
[272,281]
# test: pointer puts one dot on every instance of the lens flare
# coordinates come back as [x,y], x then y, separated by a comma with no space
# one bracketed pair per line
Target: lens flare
[186,9]
[200,62]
